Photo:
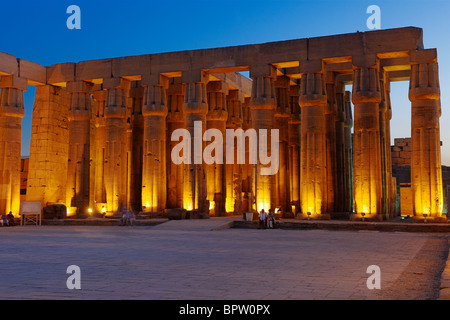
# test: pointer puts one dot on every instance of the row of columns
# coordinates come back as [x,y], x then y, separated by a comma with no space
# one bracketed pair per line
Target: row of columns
[119,143]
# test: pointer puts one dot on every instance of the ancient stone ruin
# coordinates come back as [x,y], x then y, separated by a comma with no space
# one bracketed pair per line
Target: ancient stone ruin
[101,129]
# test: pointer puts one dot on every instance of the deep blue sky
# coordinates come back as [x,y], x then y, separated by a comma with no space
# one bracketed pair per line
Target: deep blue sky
[36,31]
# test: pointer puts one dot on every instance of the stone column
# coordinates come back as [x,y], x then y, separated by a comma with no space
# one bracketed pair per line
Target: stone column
[49,146]
[175,120]
[313,175]
[154,161]
[367,181]
[385,146]
[263,105]
[342,182]
[137,145]
[348,147]
[390,180]
[426,172]
[216,118]
[282,114]
[195,108]
[233,175]
[248,200]
[78,170]
[115,155]
[99,151]
[294,149]
[11,114]
[333,188]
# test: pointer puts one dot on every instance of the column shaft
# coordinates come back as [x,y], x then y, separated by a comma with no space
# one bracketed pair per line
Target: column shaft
[99,151]
[313,175]
[11,114]
[116,156]
[195,110]
[154,164]
[234,172]
[78,170]
[175,120]
[367,180]
[426,172]
[263,106]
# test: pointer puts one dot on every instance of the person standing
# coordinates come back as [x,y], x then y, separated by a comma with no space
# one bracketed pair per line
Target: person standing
[270,219]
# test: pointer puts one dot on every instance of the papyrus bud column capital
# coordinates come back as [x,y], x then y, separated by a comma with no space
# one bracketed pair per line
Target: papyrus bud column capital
[155,98]
[115,97]
[216,119]
[367,184]
[11,98]
[80,104]
[217,101]
[426,172]
[235,109]
[175,120]
[100,100]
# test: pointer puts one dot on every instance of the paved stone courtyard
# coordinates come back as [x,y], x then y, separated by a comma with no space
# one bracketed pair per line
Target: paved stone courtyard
[187,260]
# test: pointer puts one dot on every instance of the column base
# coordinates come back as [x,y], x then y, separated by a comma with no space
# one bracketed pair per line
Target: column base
[420,219]
[376,218]
[323,216]
[340,215]
[196,214]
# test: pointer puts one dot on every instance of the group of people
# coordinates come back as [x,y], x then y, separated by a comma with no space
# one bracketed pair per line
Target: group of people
[266,220]
[7,220]
[127,217]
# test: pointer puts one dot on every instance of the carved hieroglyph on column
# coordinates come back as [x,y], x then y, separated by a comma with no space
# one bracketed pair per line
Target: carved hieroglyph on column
[195,108]
[79,151]
[313,174]
[154,159]
[366,143]
[215,173]
[11,114]
[263,105]
[426,174]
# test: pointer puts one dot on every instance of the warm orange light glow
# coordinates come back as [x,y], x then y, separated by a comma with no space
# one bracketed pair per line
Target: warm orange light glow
[229,204]
[71,211]
[187,204]
[367,199]
[311,202]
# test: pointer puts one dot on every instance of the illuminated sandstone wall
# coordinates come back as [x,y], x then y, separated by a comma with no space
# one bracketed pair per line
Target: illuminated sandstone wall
[49,148]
